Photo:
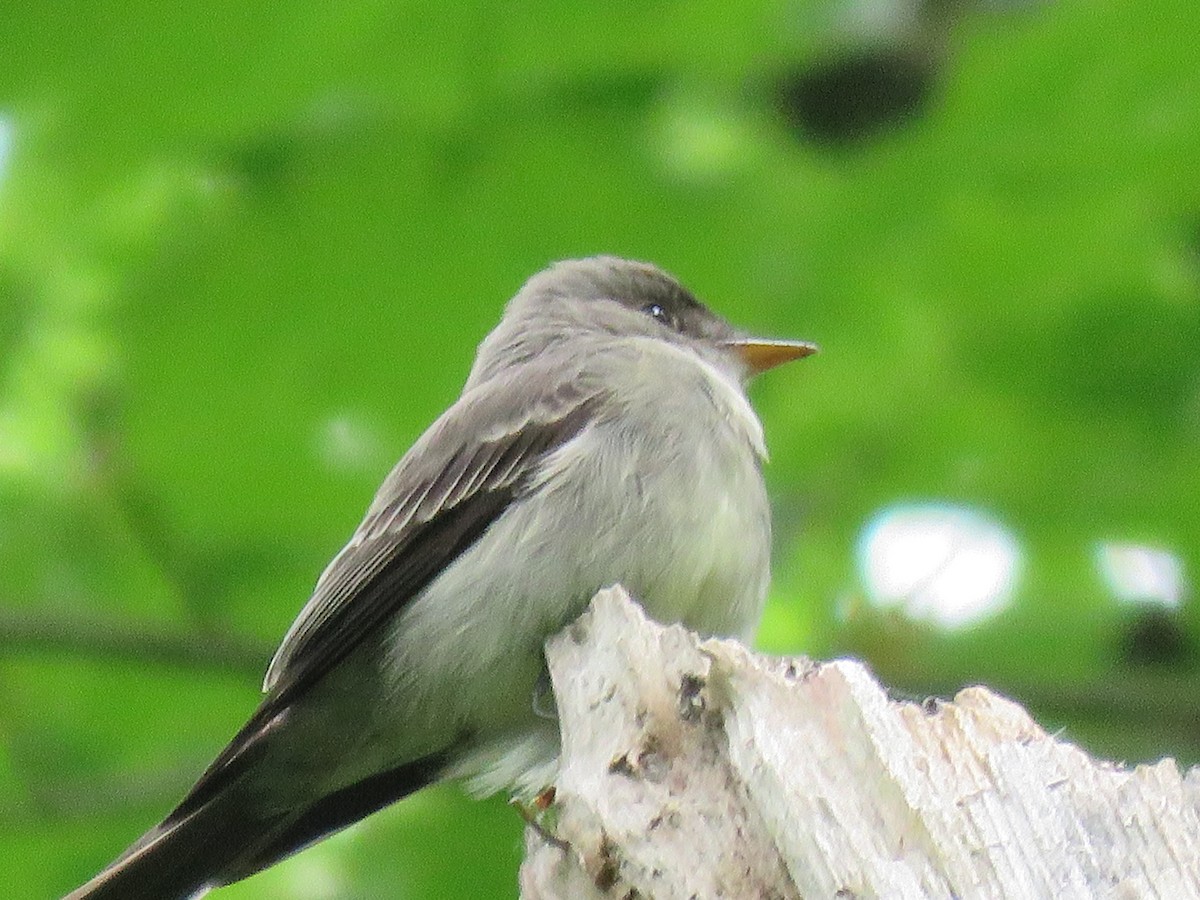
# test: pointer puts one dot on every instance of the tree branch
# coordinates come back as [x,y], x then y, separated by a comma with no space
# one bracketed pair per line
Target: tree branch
[24,632]
[698,769]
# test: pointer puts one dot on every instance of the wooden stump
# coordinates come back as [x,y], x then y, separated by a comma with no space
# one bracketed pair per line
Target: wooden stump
[697,769]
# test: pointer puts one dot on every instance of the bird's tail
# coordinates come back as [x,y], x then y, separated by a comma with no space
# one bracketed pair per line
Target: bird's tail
[221,838]
[183,857]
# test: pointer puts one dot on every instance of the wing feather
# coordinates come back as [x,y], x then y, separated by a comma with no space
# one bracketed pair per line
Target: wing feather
[457,479]
[437,502]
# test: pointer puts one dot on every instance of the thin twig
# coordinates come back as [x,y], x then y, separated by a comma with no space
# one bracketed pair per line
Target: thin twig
[40,632]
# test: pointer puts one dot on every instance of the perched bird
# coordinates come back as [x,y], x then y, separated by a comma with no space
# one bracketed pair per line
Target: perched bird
[603,436]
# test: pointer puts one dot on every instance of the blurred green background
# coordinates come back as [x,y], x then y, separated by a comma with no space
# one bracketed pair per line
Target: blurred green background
[246,254]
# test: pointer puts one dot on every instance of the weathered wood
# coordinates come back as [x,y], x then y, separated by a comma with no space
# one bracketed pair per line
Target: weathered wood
[697,769]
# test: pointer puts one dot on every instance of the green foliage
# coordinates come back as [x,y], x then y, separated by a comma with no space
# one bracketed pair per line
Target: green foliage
[245,256]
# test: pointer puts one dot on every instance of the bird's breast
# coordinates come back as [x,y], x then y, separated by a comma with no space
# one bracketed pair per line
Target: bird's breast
[665,496]
[661,492]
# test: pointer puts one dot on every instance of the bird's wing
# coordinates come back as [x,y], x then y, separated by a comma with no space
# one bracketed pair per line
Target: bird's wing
[457,479]
[454,482]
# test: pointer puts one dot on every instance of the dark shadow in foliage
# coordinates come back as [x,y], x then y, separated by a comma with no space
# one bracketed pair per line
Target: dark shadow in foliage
[857,95]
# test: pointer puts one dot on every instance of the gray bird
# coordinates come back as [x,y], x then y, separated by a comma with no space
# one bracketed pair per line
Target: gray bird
[603,436]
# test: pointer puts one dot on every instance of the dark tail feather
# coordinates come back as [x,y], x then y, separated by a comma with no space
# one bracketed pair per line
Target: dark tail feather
[344,807]
[181,858]
[220,842]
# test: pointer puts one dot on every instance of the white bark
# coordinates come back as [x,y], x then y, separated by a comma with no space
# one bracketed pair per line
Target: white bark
[697,769]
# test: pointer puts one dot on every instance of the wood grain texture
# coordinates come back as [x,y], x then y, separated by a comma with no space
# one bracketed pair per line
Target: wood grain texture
[697,769]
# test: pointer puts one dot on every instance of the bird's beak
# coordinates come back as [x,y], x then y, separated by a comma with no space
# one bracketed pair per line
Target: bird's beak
[760,354]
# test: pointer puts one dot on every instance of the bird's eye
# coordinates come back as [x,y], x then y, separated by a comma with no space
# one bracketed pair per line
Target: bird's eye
[655,311]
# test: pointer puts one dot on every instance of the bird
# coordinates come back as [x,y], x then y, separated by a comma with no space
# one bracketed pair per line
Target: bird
[603,436]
